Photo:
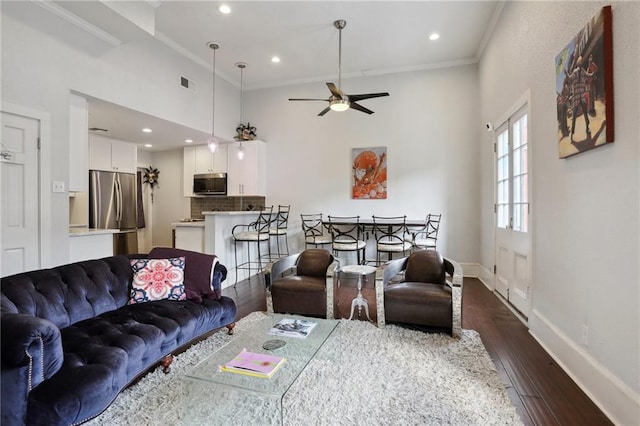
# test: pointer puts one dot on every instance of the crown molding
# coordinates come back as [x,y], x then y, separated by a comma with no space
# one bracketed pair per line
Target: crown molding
[75,20]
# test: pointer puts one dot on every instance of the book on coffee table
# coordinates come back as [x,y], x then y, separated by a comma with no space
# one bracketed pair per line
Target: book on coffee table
[290,327]
[254,364]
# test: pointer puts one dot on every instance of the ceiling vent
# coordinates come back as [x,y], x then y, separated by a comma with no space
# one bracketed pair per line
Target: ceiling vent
[187,83]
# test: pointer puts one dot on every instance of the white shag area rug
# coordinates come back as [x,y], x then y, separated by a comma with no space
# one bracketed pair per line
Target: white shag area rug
[388,376]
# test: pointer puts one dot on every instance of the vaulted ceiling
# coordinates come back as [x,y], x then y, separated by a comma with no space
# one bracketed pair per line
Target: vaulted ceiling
[380,37]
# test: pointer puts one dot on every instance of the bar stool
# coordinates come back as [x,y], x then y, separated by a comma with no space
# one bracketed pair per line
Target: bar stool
[281,221]
[254,233]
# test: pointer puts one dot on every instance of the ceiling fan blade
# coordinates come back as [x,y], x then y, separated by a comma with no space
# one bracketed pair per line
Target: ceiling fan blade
[308,99]
[334,90]
[324,111]
[360,97]
[360,108]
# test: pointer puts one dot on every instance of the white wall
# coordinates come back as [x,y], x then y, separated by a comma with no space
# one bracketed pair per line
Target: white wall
[585,208]
[44,58]
[429,124]
[169,204]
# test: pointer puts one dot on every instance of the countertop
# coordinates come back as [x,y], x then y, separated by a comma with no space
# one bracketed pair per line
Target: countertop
[83,232]
[234,213]
[189,224]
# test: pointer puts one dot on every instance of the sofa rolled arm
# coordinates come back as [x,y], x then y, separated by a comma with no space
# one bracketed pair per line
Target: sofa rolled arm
[33,343]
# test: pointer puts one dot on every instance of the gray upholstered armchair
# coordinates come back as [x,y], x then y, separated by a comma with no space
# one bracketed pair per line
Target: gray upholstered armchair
[303,283]
[422,295]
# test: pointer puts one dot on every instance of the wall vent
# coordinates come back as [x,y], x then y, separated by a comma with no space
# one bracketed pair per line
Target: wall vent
[187,83]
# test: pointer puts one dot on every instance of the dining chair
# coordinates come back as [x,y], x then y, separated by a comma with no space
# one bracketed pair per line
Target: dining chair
[427,236]
[390,233]
[347,236]
[278,229]
[314,230]
[254,233]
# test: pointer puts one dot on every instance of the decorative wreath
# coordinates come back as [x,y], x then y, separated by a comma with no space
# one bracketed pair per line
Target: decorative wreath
[245,132]
[151,176]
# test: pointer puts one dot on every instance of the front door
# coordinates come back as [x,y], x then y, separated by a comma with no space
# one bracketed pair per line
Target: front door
[19,194]
[513,241]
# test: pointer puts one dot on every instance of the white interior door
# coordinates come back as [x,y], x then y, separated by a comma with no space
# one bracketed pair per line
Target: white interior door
[20,194]
[513,238]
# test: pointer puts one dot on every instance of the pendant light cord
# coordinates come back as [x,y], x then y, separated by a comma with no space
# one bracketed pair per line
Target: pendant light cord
[340,59]
[213,101]
[241,92]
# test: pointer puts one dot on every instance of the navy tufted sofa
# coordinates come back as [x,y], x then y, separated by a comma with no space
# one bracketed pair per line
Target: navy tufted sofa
[70,343]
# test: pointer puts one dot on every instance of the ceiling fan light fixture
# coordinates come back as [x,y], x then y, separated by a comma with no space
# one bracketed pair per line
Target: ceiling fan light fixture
[339,104]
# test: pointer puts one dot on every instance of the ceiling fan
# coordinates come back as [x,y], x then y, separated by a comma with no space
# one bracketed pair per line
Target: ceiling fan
[340,101]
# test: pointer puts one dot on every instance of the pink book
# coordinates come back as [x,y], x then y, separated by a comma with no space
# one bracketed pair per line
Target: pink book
[254,364]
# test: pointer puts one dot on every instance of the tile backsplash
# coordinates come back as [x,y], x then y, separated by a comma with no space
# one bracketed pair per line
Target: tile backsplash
[218,203]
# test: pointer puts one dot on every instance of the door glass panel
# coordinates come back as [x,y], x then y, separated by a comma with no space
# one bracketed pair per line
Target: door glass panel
[502,184]
[520,181]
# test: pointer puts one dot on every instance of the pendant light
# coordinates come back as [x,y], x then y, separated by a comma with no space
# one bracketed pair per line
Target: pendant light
[244,132]
[213,141]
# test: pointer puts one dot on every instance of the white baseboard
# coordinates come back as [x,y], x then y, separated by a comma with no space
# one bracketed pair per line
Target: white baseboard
[616,400]
[476,270]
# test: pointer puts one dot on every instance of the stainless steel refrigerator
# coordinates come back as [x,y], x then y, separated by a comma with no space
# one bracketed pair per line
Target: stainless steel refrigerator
[112,205]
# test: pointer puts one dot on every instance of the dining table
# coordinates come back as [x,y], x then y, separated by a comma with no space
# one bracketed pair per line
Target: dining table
[367,224]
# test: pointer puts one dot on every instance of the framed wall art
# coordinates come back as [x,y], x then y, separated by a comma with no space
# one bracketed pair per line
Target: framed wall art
[369,173]
[584,88]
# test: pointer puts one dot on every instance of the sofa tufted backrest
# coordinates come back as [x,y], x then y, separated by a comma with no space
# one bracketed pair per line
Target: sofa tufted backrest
[70,293]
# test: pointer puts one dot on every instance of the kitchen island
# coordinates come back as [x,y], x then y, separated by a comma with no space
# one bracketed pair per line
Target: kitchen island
[90,243]
[213,236]
[218,240]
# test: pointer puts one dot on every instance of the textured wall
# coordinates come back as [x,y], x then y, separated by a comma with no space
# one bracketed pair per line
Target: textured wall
[585,209]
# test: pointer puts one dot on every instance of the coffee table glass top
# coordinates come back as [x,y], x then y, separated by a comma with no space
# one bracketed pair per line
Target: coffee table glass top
[297,351]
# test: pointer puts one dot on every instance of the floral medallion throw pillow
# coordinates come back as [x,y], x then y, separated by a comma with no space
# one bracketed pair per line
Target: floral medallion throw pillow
[157,279]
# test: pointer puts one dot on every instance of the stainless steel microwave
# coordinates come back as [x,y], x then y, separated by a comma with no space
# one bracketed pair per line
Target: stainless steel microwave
[210,184]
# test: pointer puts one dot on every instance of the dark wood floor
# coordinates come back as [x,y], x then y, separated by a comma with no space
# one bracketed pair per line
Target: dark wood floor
[537,386]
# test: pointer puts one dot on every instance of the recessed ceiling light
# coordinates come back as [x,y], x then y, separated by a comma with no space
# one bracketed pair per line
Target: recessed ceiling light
[147,130]
[434,36]
[188,140]
[148,145]
[275,59]
[224,9]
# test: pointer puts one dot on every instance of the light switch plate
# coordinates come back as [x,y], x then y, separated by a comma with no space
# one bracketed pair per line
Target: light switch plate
[58,186]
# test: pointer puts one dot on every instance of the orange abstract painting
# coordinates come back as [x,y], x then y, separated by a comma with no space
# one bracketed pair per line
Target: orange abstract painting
[369,173]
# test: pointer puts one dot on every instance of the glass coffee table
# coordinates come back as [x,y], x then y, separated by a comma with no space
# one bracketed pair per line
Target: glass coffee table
[211,396]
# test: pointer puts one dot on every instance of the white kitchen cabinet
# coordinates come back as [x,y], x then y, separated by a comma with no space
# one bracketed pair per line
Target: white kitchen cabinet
[199,159]
[209,162]
[112,155]
[78,144]
[247,176]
